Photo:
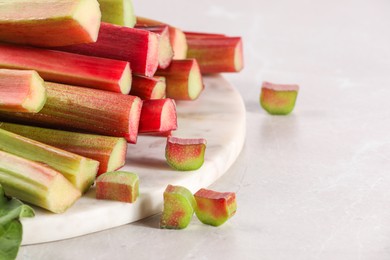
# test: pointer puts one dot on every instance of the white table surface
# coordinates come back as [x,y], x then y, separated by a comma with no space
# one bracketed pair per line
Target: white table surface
[311,185]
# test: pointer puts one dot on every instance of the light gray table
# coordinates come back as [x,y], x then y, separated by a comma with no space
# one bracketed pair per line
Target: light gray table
[311,185]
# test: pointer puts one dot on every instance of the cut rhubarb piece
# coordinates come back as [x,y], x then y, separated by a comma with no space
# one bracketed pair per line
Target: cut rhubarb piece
[176,37]
[119,12]
[49,23]
[158,116]
[120,186]
[183,79]
[21,91]
[36,183]
[86,110]
[185,154]
[165,51]
[215,53]
[148,87]
[278,99]
[69,68]
[79,170]
[179,207]
[139,47]
[215,208]
[109,151]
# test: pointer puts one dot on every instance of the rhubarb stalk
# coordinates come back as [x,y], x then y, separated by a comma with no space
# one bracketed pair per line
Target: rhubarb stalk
[183,79]
[176,37]
[49,23]
[139,47]
[79,170]
[158,116]
[120,12]
[165,51]
[21,91]
[87,110]
[109,151]
[215,53]
[69,68]
[36,183]
[148,87]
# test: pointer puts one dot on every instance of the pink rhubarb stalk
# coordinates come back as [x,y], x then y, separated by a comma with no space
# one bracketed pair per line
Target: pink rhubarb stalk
[69,68]
[139,47]
[176,37]
[87,110]
[215,53]
[21,91]
[183,79]
[158,116]
[165,51]
[49,23]
[148,87]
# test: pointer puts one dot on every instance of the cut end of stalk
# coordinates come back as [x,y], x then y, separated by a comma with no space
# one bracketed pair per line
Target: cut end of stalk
[135,113]
[168,116]
[152,55]
[195,82]
[179,43]
[35,101]
[159,90]
[86,175]
[90,22]
[165,51]
[238,57]
[126,80]
[118,156]
[21,91]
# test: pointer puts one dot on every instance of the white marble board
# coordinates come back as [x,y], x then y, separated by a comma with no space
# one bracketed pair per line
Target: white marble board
[218,115]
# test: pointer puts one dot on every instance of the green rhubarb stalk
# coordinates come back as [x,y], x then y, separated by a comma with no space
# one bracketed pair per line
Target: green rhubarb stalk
[120,12]
[79,170]
[36,183]
[85,110]
[21,91]
[49,23]
[109,151]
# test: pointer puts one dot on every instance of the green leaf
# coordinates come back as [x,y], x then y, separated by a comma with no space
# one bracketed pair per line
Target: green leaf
[10,239]
[10,227]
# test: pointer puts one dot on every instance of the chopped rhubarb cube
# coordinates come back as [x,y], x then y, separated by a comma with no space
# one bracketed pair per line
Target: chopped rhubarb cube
[179,205]
[118,185]
[185,154]
[278,99]
[215,208]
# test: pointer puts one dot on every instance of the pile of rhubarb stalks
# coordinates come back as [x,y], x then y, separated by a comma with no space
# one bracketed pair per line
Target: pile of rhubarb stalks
[80,80]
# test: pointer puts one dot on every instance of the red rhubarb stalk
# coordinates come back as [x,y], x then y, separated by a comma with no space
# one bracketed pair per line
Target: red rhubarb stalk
[148,87]
[87,110]
[49,23]
[165,51]
[69,68]
[215,53]
[176,37]
[183,79]
[21,91]
[158,116]
[139,47]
